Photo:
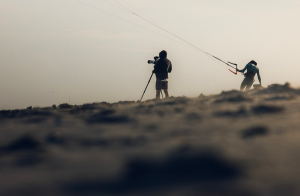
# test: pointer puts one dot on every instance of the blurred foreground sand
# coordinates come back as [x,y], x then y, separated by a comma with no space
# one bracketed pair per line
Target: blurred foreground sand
[232,144]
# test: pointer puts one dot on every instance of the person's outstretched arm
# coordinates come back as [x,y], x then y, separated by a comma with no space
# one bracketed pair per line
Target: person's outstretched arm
[243,70]
[258,76]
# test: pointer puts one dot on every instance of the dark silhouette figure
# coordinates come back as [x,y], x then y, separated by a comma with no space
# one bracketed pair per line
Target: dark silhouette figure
[252,69]
[161,69]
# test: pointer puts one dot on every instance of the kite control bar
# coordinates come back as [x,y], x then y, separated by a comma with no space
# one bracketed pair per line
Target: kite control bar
[236,69]
[228,63]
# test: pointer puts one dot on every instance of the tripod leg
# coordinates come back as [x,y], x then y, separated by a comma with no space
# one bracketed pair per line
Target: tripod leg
[146,87]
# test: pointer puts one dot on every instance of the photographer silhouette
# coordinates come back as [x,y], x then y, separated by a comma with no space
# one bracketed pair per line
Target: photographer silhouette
[161,69]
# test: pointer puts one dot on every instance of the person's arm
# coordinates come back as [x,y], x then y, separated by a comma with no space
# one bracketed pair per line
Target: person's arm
[258,76]
[155,68]
[243,70]
[170,68]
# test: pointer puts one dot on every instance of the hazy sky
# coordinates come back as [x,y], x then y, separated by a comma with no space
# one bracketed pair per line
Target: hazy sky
[55,49]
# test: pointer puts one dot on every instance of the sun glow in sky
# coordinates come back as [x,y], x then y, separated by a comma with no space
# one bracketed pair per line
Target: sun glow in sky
[56,49]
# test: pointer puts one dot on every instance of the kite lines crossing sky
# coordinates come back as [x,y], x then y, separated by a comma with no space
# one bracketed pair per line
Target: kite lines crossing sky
[126,7]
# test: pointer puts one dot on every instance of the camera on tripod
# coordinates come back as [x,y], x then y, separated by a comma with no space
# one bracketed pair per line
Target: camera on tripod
[155,60]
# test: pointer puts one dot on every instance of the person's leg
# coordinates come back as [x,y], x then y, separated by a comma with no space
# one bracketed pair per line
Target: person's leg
[166,93]
[158,89]
[165,88]
[157,94]
[249,84]
[244,83]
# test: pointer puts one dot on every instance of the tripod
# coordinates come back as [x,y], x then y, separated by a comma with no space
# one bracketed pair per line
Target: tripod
[147,87]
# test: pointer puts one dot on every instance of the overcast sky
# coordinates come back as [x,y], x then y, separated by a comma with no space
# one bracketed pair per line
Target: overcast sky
[54,50]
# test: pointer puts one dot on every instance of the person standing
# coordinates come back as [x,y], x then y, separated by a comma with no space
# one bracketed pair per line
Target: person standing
[252,69]
[161,69]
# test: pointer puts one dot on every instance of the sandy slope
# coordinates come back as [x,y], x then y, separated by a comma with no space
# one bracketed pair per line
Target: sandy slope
[228,144]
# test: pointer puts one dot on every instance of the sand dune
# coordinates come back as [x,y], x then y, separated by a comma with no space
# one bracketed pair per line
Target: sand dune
[233,143]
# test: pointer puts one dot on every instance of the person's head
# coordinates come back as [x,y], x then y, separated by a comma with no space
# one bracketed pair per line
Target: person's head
[253,62]
[163,54]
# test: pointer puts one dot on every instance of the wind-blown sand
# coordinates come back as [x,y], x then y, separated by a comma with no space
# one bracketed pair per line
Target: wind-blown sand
[232,144]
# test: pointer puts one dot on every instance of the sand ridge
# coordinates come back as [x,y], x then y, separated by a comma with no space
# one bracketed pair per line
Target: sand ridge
[233,143]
